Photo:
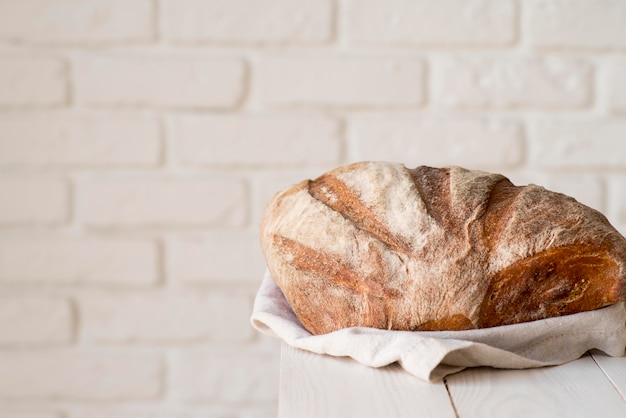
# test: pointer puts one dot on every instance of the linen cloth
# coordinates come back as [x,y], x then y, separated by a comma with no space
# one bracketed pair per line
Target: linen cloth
[433,355]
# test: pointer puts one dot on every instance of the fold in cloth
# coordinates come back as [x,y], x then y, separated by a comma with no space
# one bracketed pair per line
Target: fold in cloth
[433,355]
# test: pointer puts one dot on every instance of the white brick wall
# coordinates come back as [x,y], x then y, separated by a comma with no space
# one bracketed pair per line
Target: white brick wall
[329,80]
[408,139]
[579,144]
[33,199]
[132,202]
[77,21]
[78,260]
[141,139]
[27,80]
[243,21]
[157,79]
[511,82]
[80,374]
[442,23]
[75,138]
[231,375]
[34,320]
[616,84]
[577,24]
[166,316]
[256,140]
[232,256]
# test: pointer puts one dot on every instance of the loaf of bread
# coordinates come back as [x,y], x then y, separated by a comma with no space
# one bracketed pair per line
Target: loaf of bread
[375,244]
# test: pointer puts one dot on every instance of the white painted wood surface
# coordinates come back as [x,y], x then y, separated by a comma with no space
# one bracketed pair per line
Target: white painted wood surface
[313,385]
[576,389]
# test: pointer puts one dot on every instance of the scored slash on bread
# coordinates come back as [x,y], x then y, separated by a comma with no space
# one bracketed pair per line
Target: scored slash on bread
[375,244]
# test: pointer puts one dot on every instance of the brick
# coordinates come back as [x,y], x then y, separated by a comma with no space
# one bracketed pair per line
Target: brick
[33,199]
[436,142]
[159,80]
[78,138]
[242,21]
[76,21]
[259,140]
[164,201]
[32,81]
[85,260]
[232,374]
[580,144]
[217,257]
[269,411]
[545,83]
[617,84]
[340,80]
[75,374]
[579,24]
[166,316]
[422,22]
[115,412]
[34,319]
[25,414]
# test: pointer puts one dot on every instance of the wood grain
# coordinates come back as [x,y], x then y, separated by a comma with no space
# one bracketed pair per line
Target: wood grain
[313,385]
[576,389]
[615,370]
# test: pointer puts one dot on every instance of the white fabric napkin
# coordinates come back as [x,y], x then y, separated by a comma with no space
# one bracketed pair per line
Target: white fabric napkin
[435,354]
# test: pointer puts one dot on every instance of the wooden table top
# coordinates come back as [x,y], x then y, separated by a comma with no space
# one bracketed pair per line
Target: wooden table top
[313,385]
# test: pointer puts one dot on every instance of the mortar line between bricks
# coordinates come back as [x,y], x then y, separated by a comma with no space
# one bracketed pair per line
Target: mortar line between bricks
[523,43]
[336,23]
[213,49]
[157,21]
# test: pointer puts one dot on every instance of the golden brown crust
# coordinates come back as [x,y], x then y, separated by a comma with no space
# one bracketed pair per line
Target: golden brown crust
[497,213]
[333,193]
[558,281]
[456,322]
[433,186]
[378,245]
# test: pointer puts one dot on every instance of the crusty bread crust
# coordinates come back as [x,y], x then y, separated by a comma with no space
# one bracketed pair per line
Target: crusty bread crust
[375,244]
